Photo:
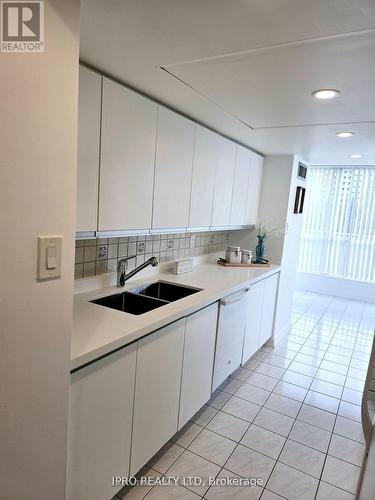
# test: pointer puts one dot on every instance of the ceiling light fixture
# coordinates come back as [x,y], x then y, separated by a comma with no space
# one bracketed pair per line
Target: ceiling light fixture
[356,156]
[326,93]
[344,135]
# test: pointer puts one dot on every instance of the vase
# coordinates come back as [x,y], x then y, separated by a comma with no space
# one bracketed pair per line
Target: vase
[259,252]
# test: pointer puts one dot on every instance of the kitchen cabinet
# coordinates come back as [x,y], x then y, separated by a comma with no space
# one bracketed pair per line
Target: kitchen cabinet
[230,336]
[225,157]
[254,188]
[100,423]
[203,179]
[157,392]
[240,187]
[199,350]
[268,308]
[173,170]
[89,105]
[260,313]
[127,159]
[254,308]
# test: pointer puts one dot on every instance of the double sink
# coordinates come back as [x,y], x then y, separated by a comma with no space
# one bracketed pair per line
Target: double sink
[146,298]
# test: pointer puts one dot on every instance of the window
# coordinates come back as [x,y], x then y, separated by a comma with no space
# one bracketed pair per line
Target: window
[338,235]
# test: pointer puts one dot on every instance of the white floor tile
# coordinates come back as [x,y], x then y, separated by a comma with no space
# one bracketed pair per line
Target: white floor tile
[302,368]
[262,381]
[253,394]
[275,360]
[274,421]
[346,449]
[190,464]
[349,428]
[241,373]
[292,484]
[283,405]
[310,436]
[171,493]
[291,391]
[349,410]
[218,399]
[230,385]
[328,492]
[322,401]
[165,457]
[264,441]
[352,396]
[241,408]
[138,492]
[229,426]
[204,415]
[302,458]
[268,495]
[297,379]
[186,435]
[341,474]
[327,376]
[334,367]
[307,359]
[212,447]
[316,416]
[327,388]
[249,463]
[270,370]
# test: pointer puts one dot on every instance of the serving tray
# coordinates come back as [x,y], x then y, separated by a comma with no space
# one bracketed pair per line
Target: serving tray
[228,264]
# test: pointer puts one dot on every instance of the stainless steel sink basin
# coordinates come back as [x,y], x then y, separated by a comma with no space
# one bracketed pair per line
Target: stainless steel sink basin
[166,291]
[130,302]
[143,299]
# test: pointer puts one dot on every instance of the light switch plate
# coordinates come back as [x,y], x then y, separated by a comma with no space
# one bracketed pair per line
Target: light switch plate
[49,257]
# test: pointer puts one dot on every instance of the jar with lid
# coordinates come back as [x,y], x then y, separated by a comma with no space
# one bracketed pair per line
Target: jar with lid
[233,255]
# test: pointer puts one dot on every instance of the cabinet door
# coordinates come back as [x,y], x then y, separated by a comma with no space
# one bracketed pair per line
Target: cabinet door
[254,187]
[173,170]
[199,350]
[127,159]
[157,392]
[240,185]
[230,336]
[225,152]
[89,103]
[268,308]
[100,421]
[203,181]
[254,307]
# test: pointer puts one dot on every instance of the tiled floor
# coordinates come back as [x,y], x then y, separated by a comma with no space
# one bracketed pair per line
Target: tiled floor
[290,416]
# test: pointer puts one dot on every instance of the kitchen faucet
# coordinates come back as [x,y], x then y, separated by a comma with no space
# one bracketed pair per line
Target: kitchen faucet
[122,266]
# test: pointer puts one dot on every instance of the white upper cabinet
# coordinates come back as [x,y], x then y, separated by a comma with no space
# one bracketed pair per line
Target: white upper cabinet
[254,187]
[240,183]
[225,157]
[89,103]
[203,182]
[127,159]
[173,170]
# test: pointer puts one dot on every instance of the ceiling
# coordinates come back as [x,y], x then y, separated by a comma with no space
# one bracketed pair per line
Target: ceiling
[247,68]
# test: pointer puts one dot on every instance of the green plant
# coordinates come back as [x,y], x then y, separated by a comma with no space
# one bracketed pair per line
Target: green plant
[263,231]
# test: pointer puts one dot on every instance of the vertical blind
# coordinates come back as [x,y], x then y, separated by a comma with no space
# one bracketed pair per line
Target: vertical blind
[338,235]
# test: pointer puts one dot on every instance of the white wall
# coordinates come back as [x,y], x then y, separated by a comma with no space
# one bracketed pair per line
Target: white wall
[351,289]
[38,109]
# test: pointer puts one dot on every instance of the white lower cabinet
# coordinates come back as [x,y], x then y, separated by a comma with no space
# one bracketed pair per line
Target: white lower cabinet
[157,392]
[254,306]
[268,308]
[100,423]
[260,313]
[230,336]
[199,350]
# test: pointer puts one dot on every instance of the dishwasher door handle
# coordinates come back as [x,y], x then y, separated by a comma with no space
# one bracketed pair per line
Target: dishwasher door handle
[234,298]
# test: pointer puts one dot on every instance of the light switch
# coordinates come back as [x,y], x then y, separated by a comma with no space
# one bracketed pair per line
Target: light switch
[49,257]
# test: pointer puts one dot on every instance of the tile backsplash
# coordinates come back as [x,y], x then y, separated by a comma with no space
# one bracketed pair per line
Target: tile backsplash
[100,256]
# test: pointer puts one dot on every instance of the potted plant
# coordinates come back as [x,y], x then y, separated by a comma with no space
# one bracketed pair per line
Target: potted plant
[262,233]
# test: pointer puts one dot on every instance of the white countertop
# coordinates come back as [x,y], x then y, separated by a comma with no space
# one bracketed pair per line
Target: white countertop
[98,330]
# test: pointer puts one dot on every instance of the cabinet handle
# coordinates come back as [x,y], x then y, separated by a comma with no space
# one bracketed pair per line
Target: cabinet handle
[234,298]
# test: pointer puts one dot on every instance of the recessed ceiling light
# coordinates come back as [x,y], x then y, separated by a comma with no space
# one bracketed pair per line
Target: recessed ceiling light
[356,156]
[326,94]
[344,135]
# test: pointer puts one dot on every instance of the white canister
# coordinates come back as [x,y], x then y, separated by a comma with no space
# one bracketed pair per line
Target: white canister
[247,256]
[233,255]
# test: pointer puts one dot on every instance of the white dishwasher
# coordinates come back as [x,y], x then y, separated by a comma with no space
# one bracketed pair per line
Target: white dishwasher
[230,336]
